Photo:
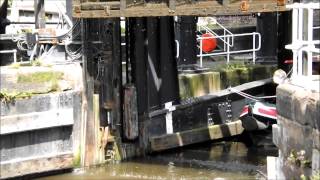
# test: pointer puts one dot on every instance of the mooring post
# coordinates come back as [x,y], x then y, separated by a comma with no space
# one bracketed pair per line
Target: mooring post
[88,130]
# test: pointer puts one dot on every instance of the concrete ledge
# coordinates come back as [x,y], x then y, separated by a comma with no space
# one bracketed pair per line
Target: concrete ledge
[40,103]
[36,165]
[37,120]
[183,138]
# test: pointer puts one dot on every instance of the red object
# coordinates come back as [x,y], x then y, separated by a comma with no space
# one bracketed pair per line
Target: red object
[245,111]
[208,44]
[288,61]
[270,112]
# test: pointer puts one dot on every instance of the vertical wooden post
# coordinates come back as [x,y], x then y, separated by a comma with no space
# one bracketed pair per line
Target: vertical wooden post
[89,138]
[39,14]
[99,154]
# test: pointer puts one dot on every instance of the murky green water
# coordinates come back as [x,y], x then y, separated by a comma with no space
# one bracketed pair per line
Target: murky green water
[219,160]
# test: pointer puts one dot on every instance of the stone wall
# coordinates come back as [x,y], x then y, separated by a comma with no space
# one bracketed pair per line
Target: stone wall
[297,133]
[217,79]
[41,112]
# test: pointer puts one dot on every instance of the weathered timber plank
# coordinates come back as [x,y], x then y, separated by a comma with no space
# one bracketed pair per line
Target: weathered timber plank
[168,141]
[206,8]
[18,146]
[36,120]
[35,165]
[100,5]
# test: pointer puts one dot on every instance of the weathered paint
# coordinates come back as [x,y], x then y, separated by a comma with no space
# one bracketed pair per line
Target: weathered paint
[179,8]
[39,134]
[297,131]
[198,135]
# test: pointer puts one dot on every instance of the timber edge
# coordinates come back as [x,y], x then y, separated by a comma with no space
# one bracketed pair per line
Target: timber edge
[199,8]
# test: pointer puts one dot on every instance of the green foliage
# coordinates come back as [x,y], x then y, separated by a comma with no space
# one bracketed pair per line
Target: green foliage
[15,65]
[36,62]
[299,159]
[8,97]
[40,77]
[316,176]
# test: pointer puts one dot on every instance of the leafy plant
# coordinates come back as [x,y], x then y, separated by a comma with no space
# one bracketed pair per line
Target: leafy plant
[7,97]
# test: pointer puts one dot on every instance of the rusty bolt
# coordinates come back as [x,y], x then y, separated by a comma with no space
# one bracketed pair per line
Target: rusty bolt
[281,2]
[77,9]
[244,5]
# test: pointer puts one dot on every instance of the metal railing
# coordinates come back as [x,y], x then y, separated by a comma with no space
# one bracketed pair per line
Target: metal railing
[303,42]
[14,51]
[228,42]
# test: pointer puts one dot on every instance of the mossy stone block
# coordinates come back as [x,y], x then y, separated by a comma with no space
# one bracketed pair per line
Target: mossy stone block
[194,85]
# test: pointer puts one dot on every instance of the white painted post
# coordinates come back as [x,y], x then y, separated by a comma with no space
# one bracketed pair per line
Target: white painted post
[169,124]
[254,49]
[294,40]
[310,37]
[228,49]
[224,40]
[14,55]
[300,40]
[201,52]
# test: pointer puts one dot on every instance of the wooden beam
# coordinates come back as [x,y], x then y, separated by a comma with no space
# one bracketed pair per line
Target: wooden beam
[34,165]
[200,8]
[179,139]
[36,120]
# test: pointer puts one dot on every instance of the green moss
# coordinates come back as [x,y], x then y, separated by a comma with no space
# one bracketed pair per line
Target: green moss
[193,85]
[239,73]
[40,77]
[8,97]
[77,158]
[15,65]
[316,175]
[221,77]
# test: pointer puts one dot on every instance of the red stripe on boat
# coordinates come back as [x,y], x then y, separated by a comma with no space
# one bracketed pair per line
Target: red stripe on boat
[270,112]
[245,111]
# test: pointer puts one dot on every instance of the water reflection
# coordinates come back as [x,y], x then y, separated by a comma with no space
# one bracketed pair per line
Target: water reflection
[221,160]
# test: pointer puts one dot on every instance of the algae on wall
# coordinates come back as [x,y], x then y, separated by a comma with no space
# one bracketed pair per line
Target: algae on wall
[193,85]
[236,75]
[221,77]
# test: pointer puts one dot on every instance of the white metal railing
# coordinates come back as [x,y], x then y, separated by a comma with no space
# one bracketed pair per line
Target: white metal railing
[228,42]
[303,42]
[14,51]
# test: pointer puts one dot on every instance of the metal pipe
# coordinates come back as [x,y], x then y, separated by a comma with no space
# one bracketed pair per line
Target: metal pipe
[228,45]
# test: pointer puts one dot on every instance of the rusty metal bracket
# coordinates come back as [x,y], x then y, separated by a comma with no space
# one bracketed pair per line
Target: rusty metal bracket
[244,5]
[281,2]
[77,9]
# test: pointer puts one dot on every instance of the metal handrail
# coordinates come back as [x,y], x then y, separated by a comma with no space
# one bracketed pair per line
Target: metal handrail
[225,32]
[301,45]
[228,45]
[14,51]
